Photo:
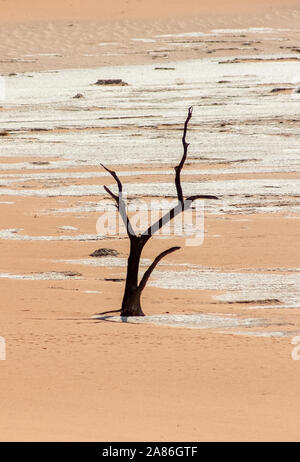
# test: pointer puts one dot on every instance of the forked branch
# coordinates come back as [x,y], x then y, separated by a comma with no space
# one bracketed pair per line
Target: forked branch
[148,272]
[180,207]
[120,202]
[183,204]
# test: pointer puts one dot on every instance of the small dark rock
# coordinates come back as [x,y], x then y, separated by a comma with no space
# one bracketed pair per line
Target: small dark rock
[164,68]
[78,96]
[71,273]
[114,279]
[104,253]
[37,129]
[278,90]
[111,82]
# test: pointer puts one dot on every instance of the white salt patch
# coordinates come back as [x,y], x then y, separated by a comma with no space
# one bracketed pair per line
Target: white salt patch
[52,275]
[103,44]
[12,234]
[144,40]
[261,334]
[12,230]
[260,58]
[92,292]
[72,190]
[108,262]
[37,166]
[238,287]
[192,321]
[108,53]
[263,30]
[68,228]
[81,209]
[15,178]
[111,262]
[185,34]
[130,121]
[264,187]
[44,54]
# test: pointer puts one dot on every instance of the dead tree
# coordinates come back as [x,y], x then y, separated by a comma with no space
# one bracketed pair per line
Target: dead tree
[131,304]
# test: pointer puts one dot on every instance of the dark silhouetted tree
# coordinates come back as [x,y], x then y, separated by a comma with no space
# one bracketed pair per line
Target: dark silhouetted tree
[131,304]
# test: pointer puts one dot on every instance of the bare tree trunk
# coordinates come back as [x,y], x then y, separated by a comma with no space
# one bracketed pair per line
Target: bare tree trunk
[131,304]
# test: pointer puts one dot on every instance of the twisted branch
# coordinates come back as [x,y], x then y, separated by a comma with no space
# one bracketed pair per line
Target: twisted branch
[147,274]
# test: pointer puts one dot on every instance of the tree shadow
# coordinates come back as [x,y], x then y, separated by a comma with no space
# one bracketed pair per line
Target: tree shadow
[109,318]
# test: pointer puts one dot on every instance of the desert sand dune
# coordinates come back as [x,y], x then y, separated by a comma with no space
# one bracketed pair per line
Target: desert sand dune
[105,10]
[56,35]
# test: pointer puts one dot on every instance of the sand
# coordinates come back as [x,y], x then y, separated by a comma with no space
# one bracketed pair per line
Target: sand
[64,34]
[70,375]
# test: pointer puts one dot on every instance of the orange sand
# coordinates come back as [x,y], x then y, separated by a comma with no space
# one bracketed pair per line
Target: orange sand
[70,378]
[105,10]
[67,34]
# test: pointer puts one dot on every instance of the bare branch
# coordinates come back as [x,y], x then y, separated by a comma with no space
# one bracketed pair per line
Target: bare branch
[115,176]
[147,274]
[182,204]
[180,207]
[114,196]
[178,168]
[120,202]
